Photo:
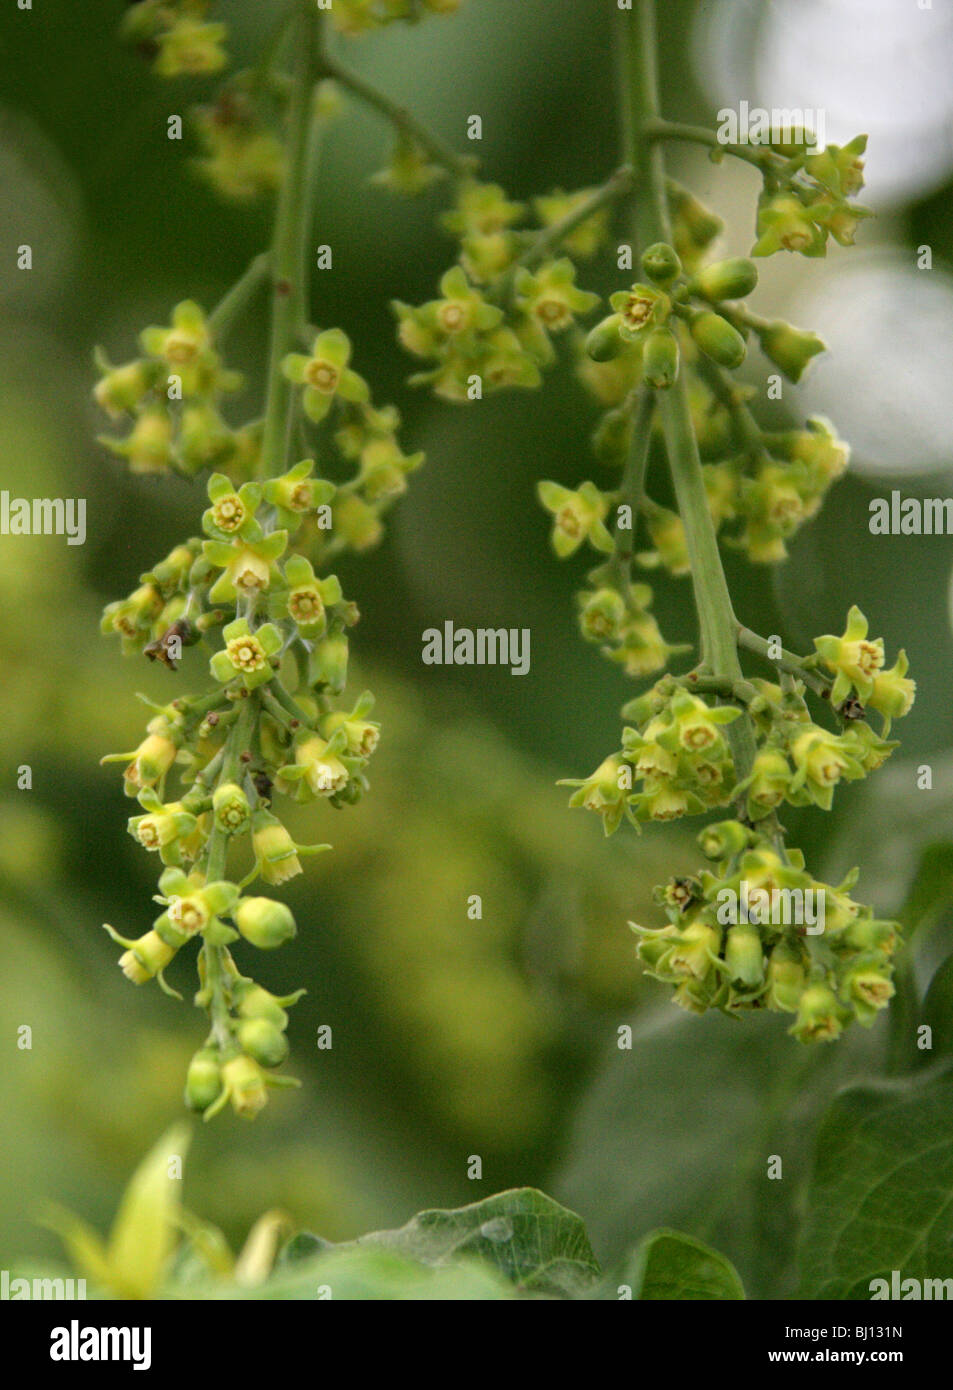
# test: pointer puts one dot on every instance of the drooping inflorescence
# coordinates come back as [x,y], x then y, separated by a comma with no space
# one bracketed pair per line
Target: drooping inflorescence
[254,590]
[708,741]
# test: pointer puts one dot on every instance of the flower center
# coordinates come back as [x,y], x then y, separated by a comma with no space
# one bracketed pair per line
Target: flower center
[638,311]
[454,317]
[568,522]
[229,513]
[323,377]
[553,312]
[246,654]
[305,605]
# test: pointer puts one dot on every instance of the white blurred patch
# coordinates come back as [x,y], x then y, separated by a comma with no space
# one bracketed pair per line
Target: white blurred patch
[887,381]
[875,66]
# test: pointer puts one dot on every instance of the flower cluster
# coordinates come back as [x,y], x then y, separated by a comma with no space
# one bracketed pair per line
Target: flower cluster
[274,723]
[806,199]
[173,396]
[242,156]
[177,36]
[361,16]
[501,307]
[757,931]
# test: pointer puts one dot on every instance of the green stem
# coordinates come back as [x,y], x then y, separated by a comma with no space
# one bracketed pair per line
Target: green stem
[717,623]
[656,130]
[632,487]
[289,247]
[460,166]
[235,301]
[787,661]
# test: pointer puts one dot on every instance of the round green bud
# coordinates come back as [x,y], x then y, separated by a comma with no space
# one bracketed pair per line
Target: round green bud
[604,341]
[231,808]
[731,279]
[721,841]
[660,359]
[264,922]
[744,955]
[263,1041]
[256,1002]
[789,348]
[660,263]
[203,1082]
[718,339]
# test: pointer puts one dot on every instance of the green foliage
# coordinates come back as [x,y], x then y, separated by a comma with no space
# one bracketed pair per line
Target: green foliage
[671,1266]
[880,1196]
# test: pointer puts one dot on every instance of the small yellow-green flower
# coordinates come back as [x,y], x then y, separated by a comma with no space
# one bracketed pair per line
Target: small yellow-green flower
[325,375]
[579,516]
[854,658]
[247,655]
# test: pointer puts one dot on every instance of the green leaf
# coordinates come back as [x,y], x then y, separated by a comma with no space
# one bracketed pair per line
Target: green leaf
[143,1235]
[937,1011]
[679,1130]
[931,889]
[669,1265]
[881,1196]
[529,1239]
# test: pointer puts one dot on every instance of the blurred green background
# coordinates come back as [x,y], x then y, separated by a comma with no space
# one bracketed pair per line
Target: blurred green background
[451,1037]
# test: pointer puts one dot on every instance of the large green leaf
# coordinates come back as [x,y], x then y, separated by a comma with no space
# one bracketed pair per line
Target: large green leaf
[529,1239]
[669,1265]
[517,1242]
[881,1196]
[679,1130]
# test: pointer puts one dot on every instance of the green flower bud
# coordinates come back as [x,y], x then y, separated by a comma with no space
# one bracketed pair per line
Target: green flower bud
[723,840]
[660,358]
[789,348]
[231,808]
[867,986]
[660,263]
[275,850]
[601,614]
[145,958]
[786,975]
[265,923]
[820,1018]
[893,693]
[698,224]
[691,952]
[263,1041]
[640,308]
[744,955]
[203,1082]
[327,666]
[245,1084]
[731,279]
[255,1002]
[769,780]
[605,341]
[718,339]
